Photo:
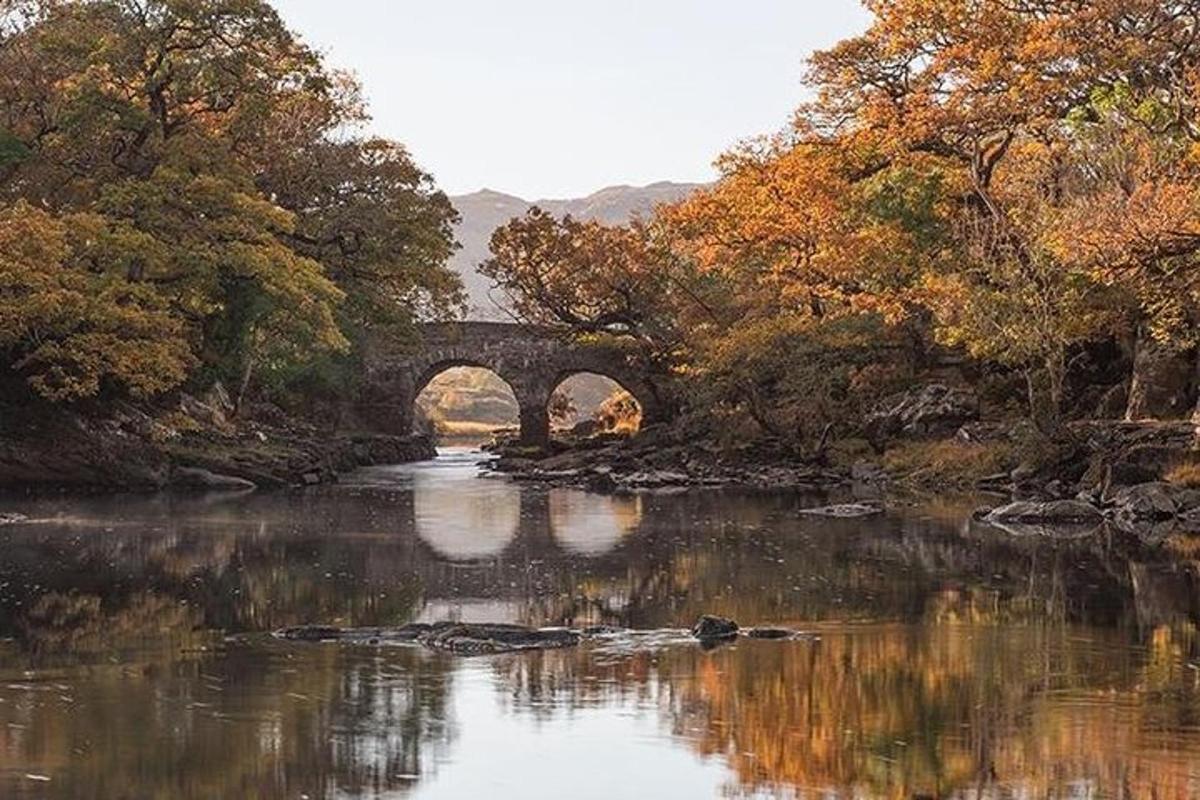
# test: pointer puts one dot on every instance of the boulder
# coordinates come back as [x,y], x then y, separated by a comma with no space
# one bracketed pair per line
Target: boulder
[931,410]
[1161,387]
[712,628]
[1155,500]
[1126,473]
[1062,512]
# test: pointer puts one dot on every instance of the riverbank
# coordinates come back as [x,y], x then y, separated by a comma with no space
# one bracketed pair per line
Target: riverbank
[1133,473]
[192,444]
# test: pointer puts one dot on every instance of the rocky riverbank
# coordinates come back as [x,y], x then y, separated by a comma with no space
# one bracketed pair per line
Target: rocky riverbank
[927,441]
[195,444]
[660,458]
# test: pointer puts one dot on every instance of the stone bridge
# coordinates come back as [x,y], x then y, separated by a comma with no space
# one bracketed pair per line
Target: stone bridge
[532,360]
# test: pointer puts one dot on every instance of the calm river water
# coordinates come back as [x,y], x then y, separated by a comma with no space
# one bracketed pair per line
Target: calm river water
[950,660]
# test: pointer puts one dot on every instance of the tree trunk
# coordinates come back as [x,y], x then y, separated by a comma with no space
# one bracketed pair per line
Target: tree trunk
[247,375]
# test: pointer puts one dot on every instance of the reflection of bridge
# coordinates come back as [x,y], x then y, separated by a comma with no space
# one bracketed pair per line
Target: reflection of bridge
[532,360]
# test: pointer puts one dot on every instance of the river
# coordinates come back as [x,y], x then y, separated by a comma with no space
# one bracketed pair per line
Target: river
[946,659]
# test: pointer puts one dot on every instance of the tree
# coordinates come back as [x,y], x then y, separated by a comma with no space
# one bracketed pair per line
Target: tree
[204,142]
[592,277]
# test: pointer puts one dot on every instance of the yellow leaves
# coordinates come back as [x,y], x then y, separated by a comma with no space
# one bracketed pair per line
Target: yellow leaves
[70,328]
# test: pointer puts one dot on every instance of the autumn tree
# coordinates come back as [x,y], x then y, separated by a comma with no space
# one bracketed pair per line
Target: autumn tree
[591,277]
[70,327]
[1063,131]
[207,145]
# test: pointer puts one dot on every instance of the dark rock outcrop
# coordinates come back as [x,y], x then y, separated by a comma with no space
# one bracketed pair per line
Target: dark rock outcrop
[133,448]
[927,411]
[1163,384]
[770,633]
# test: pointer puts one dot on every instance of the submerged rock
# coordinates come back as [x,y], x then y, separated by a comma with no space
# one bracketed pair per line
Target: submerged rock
[770,633]
[844,510]
[711,628]
[470,639]
[455,637]
[487,639]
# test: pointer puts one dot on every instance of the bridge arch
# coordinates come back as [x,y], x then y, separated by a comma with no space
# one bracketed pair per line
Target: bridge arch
[532,360]
[488,397]
[565,378]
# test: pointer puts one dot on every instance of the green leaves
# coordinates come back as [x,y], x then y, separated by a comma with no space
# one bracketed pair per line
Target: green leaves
[192,160]
[12,149]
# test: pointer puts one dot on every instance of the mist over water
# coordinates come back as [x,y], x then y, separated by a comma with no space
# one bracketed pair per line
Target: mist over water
[948,659]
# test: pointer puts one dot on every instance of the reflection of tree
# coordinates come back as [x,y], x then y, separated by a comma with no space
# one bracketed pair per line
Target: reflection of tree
[81,623]
[279,722]
[949,653]
[901,711]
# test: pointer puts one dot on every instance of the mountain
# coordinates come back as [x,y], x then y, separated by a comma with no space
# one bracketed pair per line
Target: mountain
[484,211]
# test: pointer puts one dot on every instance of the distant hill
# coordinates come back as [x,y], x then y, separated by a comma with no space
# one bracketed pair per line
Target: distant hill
[484,211]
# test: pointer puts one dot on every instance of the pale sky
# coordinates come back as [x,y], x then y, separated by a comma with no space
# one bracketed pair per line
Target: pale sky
[559,98]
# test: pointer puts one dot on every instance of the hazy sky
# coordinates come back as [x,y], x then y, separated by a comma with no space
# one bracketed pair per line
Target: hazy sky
[558,98]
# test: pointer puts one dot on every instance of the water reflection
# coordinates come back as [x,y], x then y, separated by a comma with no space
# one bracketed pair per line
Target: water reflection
[587,524]
[464,526]
[953,660]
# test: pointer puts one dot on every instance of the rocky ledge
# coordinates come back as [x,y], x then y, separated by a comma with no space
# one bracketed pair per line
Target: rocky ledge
[657,459]
[472,639]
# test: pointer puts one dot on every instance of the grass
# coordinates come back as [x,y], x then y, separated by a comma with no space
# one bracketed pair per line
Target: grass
[1186,474]
[948,462]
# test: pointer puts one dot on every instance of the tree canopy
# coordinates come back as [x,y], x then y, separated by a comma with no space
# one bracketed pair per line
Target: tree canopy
[195,173]
[1017,179]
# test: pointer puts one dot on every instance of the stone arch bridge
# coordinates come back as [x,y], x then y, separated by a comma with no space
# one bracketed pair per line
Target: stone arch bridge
[532,360]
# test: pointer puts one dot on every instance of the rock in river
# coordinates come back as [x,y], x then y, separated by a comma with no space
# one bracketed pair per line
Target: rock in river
[844,510]
[1064,512]
[468,639]
[710,628]
[770,633]
[463,639]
